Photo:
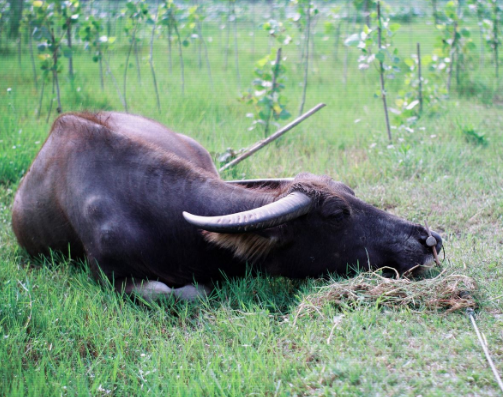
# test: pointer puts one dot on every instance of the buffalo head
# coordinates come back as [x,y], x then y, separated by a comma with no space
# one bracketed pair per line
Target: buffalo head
[318,226]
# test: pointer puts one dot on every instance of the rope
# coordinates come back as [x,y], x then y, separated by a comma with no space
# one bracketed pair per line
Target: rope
[469,313]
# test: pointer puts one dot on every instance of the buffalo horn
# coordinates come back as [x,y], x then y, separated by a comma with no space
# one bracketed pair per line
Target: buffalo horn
[290,207]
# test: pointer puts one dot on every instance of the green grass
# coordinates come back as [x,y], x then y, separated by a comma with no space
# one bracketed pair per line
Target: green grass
[63,334]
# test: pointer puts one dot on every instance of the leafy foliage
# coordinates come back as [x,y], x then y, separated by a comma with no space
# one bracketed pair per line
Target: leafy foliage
[473,136]
[367,42]
[429,88]
[265,93]
[375,46]
[91,33]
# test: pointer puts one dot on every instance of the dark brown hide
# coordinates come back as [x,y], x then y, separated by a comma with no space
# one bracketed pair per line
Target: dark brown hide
[112,187]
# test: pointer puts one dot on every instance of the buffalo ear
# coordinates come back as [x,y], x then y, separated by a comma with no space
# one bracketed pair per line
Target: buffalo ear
[246,246]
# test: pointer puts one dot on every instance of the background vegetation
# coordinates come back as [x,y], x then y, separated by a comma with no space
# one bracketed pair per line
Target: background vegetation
[209,71]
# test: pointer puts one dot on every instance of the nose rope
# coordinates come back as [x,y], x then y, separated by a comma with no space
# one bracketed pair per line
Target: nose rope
[432,242]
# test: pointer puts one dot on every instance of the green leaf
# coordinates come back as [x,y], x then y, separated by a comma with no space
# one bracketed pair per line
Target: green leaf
[41,47]
[42,32]
[426,60]
[264,115]
[262,62]
[394,27]
[381,55]
[329,27]
[352,40]
[465,32]
[285,114]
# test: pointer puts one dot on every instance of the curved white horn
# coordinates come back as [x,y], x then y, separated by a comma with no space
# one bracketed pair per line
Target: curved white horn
[287,208]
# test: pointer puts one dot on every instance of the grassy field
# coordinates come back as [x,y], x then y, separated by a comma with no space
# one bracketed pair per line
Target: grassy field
[63,334]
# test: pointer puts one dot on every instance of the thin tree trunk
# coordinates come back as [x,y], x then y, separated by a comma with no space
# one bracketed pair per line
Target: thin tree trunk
[16,14]
[69,41]
[203,43]
[435,12]
[170,37]
[200,42]
[100,62]
[114,81]
[420,79]
[109,22]
[226,62]
[273,89]
[306,59]
[116,13]
[451,55]
[270,39]
[126,69]
[32,57]
[50,104]
[314,58]
[346,54]
[495,34]
[302,47]
[252,5]
[19,60]
[151,61]
[59,109]
[381,71]
[236,58]
[458,67]
[337,39]
[367,13]
[458,64]
[181,57]
[135,42]
[41,99]
[481,34]
[208,66]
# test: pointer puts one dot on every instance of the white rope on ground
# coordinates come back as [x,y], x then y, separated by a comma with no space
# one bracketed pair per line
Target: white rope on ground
[470,313]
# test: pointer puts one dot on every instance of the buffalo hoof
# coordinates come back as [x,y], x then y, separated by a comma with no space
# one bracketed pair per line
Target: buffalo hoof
[154,290]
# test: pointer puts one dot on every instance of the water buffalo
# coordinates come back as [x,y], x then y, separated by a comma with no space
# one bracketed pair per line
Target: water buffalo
[147,208]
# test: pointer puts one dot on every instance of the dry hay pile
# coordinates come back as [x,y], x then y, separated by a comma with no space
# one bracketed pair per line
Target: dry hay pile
[446,293]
